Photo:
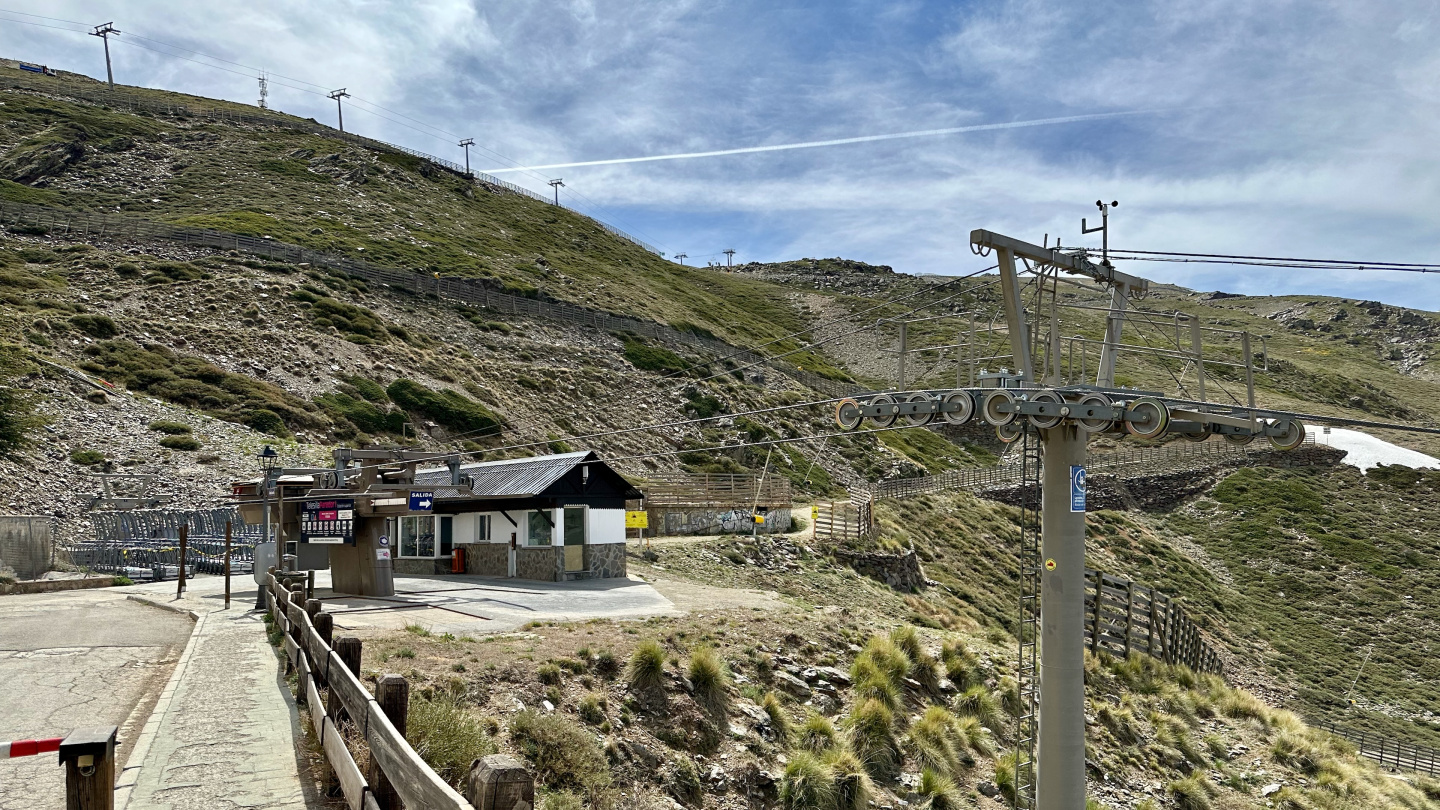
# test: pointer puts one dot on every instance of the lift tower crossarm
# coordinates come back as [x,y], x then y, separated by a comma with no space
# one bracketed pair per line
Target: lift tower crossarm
[1074,263]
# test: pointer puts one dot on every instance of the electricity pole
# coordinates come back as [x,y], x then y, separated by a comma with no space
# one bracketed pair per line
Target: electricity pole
[557,184]
[729,257]
[340,112]
[264,91]
[104,32]
[467,143]
[681,257]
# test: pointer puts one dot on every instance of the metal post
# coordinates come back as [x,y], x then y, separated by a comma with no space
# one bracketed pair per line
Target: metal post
[1197,349]
[900,369]
[467,143]
[1061,761]
[227,565]
[180,579]
[1014,313]
[1114,324]
[104,32]
[339,110]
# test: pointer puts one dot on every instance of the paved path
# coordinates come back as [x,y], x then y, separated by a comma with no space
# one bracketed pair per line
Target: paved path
[224,731]
[77,658]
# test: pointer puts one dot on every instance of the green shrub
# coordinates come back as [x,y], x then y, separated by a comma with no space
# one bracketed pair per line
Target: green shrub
[936,743]
[961,665]
[1192,793]
[817,734]
[652,358]
[96,326]
[549,674]
[922,665]
[853,788]
[592,709]
[563,801]
[707,676]
[606,665]
[647,668]
[266,421]
[186,443]
[939,791]
[979,703]
[447,736]
[446,408]
[1005,775]
[564,753]
[121,582]
[808,784]
[685,782]
[87,457]
[169,428]
[368,389]
[779,720]
[872,737]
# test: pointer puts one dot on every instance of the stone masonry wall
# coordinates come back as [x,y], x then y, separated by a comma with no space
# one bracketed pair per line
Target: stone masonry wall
[605,560]
[487,559]
[539,562]
[672,522]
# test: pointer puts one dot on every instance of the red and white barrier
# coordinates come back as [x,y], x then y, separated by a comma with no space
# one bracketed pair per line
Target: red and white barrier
[29,748]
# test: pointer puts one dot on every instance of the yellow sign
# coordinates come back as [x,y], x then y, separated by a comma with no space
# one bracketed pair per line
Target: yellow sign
[637,520]
[1049,565]
[759,518]
[814,513]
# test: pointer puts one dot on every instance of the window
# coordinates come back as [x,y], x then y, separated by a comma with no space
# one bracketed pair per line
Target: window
[540,529]
[417,536]
[482,528]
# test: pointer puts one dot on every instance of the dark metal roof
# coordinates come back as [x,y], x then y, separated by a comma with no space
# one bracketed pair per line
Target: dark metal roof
[512,478]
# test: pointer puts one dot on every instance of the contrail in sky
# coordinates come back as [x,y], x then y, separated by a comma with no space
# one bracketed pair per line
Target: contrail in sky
[780,147]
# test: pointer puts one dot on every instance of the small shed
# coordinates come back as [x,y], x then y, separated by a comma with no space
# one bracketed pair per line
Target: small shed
[551,518]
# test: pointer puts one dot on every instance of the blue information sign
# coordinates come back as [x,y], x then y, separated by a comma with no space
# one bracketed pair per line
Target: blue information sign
[1077,488]
[422,501]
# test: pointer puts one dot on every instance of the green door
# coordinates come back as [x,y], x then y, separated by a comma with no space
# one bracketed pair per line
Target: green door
[574,539]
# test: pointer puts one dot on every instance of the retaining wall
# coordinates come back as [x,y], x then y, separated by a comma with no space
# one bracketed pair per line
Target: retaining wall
[26,546]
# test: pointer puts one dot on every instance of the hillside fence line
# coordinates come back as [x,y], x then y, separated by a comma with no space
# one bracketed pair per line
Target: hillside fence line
[1126,463]
[1124,617]
[1387,751]
[85,224]
[132,101]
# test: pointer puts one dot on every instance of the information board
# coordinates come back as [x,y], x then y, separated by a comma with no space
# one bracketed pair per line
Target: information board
[331,521]
[637,520]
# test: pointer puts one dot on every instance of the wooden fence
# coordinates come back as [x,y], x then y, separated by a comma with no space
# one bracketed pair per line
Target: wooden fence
[394,764]
[839,521]
[1122,616]
[1388,751]
[84,224]
[720,490]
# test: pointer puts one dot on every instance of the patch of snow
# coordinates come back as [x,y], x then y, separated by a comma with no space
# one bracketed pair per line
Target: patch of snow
[1365,451]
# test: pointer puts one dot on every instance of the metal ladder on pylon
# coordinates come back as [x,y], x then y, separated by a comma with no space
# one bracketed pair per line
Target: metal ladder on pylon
[1027,673]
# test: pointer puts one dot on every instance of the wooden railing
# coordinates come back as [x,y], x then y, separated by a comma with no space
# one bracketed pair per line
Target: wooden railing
[839,521]
[395,765]
[723,490]
[1388,751]
[1124,617]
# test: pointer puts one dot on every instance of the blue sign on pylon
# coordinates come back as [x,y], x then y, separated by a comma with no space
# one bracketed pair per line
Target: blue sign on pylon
[422,501]
[1077,488]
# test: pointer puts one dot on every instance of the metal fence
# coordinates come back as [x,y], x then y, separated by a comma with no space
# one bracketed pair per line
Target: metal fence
[130,100]
[1124,617]
[85,224]
[144,543]
[1388,751]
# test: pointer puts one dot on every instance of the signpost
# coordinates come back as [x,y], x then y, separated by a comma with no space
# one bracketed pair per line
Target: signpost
[329,521]
[422,500]
[638,520]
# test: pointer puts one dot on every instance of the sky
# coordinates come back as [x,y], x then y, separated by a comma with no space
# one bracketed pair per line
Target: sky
[1303,129]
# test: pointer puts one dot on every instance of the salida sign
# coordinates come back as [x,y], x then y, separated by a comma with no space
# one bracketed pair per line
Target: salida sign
[331,521]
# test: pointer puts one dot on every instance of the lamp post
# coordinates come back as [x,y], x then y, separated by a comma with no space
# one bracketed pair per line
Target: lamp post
[269,460]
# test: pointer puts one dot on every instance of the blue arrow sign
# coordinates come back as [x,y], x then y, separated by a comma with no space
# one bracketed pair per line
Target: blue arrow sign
[1077,488]
[422,501]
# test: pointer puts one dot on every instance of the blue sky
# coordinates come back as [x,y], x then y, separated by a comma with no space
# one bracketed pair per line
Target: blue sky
[1278,128]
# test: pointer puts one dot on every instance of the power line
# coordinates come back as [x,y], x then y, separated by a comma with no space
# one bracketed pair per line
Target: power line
[1272,261]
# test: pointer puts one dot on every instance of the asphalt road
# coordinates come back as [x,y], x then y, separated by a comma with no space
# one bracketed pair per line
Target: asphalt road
[77,659]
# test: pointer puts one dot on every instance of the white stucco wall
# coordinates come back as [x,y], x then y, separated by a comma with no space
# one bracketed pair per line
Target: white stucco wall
[605,526]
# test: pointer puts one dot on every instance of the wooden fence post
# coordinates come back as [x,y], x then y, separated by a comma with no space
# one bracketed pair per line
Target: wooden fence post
[89,758]
[348,649]
[392,693]
[1095,612]
[1129,614]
